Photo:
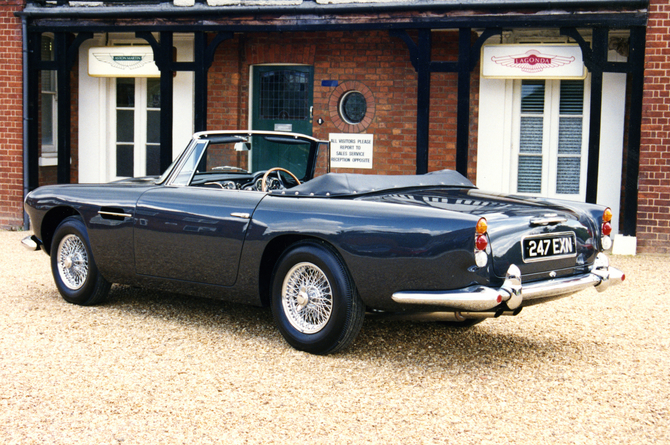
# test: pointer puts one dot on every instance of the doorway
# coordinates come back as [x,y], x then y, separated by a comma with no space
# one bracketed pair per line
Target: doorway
[282,100]
[135,127]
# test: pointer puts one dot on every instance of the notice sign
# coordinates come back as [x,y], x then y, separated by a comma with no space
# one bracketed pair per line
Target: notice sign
[533,61]
[350,150]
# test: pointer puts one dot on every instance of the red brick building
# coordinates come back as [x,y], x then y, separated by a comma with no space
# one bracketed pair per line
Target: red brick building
[653,218]
[412,75]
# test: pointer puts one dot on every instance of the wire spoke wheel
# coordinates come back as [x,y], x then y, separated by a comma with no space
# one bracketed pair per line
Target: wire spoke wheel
[307,298]
[73,266]
[314,301]
[72,261]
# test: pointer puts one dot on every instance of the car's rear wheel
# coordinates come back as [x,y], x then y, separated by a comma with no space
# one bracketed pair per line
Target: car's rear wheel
[314,301]
[73,267]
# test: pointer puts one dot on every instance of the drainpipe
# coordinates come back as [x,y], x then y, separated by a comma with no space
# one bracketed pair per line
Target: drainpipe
[26,167]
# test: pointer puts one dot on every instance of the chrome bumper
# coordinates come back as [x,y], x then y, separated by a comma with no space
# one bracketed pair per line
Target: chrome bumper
[513,293]
[31,243]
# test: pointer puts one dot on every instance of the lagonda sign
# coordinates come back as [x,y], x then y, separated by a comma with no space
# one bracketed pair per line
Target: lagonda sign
[532,61]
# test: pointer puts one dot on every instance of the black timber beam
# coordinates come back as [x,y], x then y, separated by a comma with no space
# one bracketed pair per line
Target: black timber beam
[164,59]
[595,59]
[66,48]
[636,58]
[463,101]
[204,57]
[77,20]
[420,57]
[33,95]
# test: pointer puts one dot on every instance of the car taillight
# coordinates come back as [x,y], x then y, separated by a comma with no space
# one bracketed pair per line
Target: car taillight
[606,229]
[482,226]
[481,243]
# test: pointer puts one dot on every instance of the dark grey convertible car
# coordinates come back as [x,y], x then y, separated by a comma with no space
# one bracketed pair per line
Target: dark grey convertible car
[241,216]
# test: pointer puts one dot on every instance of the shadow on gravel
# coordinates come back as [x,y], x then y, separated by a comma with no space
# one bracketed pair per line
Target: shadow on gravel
[483,346]
[405,343]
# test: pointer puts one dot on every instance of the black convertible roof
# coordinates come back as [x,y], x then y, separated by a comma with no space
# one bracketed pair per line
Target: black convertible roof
[343,184]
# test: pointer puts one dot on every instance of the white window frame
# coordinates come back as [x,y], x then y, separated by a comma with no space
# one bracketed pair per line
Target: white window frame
[140,129]
[49,152]
[550,141]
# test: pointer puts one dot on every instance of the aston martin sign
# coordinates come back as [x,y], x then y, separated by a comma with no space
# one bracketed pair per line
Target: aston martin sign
[122,61]
[533,61]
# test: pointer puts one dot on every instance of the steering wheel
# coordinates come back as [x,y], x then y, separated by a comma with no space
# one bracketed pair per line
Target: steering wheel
[264,183]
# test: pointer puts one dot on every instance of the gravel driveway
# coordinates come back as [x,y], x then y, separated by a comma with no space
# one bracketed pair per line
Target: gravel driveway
[150,367]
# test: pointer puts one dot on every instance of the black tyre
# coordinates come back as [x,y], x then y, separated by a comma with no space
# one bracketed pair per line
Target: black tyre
[73,267]
[314,302]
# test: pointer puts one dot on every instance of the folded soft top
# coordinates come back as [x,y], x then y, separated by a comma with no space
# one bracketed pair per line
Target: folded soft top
[341,184]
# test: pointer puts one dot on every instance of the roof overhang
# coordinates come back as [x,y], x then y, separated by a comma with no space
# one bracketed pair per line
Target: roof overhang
[268,15]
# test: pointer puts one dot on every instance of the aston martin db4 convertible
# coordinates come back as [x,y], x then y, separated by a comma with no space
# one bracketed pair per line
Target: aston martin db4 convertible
[241,216]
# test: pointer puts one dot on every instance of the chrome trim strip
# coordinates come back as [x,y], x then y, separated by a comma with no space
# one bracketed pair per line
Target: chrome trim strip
[547,220]
[513,292]
[241,215]
[123,215]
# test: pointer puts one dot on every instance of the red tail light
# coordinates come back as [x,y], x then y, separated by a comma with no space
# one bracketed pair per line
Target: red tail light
[481,242]
[607,228]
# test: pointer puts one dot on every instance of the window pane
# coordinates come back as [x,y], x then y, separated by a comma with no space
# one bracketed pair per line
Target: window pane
[570,135]
[530,140]
[567,177]
[153,93]
[125,92]
[48,81]
[153,127]
[47,119]
[353,107]
[125,126]
[124,160]
[284,94]
[530,174]
[153,160]
[572,97]
[47,48]
[532,96]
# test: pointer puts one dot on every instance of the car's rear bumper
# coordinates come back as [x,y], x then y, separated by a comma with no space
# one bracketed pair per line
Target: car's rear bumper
[512,294]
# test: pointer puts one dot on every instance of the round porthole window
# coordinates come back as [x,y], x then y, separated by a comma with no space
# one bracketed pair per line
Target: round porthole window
[353,107]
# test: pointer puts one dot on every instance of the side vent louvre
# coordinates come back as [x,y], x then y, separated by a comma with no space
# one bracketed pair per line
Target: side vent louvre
[113,213]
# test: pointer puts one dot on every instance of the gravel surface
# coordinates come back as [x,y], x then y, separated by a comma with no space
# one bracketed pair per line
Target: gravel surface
[149,367]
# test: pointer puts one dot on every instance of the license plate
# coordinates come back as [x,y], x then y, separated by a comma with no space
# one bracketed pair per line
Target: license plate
[545,247]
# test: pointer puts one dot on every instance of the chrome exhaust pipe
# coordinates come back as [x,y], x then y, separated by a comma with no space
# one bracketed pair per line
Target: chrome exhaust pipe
[31,243]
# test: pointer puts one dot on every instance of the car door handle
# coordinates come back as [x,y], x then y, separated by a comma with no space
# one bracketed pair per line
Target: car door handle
[547,220]
[241,215]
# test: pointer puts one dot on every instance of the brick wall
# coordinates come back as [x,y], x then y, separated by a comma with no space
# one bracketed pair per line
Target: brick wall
[11,104]
[373,59]
[653,224]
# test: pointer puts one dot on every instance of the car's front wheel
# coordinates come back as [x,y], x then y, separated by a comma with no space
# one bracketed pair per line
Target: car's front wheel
[73,267]
[314,301]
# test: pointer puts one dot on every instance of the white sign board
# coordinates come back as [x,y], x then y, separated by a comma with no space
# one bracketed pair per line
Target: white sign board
[350,150]
[532,61]
[122,61]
